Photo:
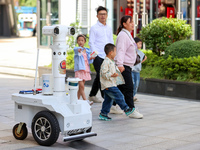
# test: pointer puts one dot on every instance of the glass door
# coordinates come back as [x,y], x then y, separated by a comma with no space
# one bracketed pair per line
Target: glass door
[185,9]
[147,16]
[48,15]
[1,20]
[197,20]
[44,20]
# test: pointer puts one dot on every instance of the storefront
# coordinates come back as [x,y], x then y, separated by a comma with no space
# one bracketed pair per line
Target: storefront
[8,22]
[47,13]
[144,11]
[50,12]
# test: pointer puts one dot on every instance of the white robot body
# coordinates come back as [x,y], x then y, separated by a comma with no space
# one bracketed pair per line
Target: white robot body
[59,67]
[50,112]
[70,116]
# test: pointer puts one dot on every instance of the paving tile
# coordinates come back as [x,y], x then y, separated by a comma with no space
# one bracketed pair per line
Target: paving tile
[190,146]
[150,140]
[14,146]
[3,141]
[157,132]
[6,133]
[130,139]
[182,127]
[166,145]
[168,123]
[152,147]
[127,146]
[176,135]
[4,126]
[191,138]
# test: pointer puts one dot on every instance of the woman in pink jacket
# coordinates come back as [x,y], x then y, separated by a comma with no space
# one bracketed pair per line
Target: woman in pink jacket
[125,59]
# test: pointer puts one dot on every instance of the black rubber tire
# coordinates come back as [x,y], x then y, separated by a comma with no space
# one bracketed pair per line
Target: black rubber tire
[23,133]
[45,128]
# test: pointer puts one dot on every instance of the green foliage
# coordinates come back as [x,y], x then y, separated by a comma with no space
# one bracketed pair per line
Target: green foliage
[183,49]
[162,32]
[31,3]
[180,69]
[114,38]
[70,59]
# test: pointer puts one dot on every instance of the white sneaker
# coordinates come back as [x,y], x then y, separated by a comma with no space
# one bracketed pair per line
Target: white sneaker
[94,99]
[89,102]
[116,110]
[136,115]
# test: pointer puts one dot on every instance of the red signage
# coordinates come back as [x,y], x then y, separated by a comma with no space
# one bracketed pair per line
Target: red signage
[170,12]
[129,11]
[198,11]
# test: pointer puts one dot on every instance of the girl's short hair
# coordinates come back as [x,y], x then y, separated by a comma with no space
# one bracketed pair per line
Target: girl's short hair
[81,35]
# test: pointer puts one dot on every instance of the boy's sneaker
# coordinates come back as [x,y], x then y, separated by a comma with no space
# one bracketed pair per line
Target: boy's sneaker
[104,117]
[136,115]
[115,110]
[94,99]
[129,111]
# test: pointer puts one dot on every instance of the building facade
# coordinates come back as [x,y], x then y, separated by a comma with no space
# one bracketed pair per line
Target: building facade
[148,10]
[8,22]
[143,12]
[65,12]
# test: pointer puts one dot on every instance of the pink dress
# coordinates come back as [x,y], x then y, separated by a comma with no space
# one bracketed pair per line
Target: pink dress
[84,74]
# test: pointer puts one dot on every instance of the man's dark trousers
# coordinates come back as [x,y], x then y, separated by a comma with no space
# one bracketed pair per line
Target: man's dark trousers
[96,84]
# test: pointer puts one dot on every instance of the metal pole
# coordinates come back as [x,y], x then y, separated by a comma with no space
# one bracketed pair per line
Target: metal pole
[179,13]
[193,19]
[118,11]
[90,15]
[156,8]
[151,10]
[48,22]
[38,23]
[144,15]
[59,11]
[144,19]
[38,35]
[135,16]
[34,93]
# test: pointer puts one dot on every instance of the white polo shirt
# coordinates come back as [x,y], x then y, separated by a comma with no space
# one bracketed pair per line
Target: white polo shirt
[100,35]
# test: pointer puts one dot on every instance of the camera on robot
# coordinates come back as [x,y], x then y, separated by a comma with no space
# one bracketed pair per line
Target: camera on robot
[56,30]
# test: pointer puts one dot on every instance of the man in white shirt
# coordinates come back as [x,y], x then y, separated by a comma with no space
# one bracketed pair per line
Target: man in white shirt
[100,35]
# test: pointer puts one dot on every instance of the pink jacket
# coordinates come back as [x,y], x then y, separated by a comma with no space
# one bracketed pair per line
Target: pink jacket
[126,49]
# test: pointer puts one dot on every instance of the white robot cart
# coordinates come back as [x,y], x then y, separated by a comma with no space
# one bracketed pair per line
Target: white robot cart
[53,111]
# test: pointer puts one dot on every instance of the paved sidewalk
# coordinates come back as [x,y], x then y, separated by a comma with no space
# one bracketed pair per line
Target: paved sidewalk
[168,124]
[18,56]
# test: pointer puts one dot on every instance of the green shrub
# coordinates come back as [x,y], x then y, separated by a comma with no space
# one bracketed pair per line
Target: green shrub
[162,32]
[183,49]
[180,69]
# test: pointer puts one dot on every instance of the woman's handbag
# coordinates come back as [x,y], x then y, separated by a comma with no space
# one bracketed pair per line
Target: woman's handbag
[137,61]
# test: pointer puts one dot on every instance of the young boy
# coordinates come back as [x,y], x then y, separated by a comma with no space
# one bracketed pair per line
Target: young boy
[110,77]
[137,68]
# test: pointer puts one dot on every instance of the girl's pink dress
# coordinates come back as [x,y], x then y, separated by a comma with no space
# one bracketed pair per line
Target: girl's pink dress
[84,74]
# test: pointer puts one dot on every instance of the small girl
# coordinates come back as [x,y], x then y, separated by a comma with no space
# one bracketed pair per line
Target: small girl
[137,68]
[82,60]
